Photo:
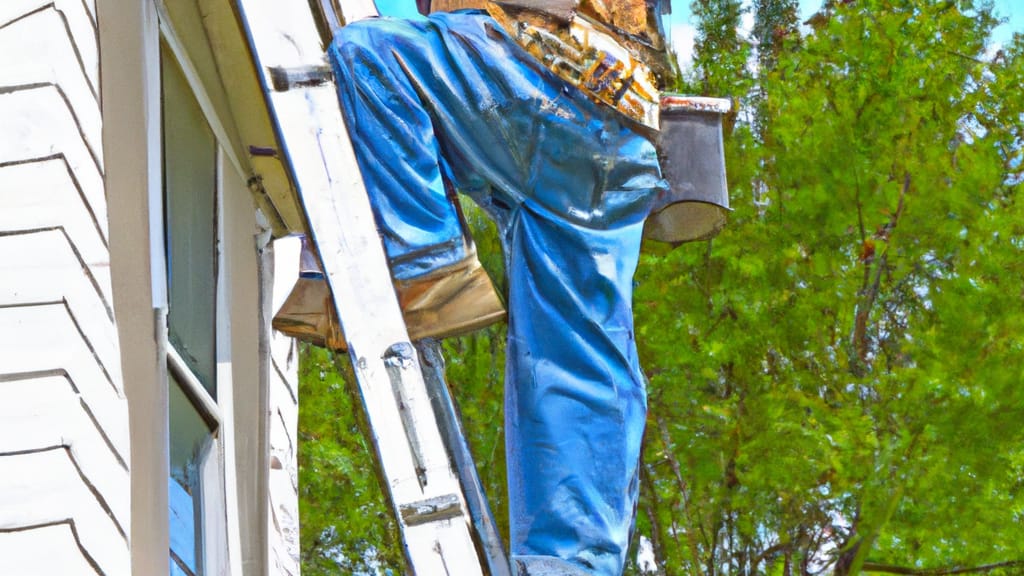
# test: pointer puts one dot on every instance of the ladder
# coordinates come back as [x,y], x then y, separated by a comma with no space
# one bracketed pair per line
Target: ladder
[446,525]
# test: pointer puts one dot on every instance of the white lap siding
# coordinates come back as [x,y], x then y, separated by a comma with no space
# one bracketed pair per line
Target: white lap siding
[64,447]
[284,470]
[284,422]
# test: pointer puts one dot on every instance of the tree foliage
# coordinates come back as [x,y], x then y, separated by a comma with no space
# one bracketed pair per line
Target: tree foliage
[836,379]
[842,390]
[346,526]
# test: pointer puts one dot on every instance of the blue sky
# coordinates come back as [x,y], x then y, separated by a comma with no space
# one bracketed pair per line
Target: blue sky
[680,20]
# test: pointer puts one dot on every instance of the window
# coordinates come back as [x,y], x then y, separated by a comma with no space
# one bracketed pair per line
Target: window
[192,444]
[190,200]
[190,224]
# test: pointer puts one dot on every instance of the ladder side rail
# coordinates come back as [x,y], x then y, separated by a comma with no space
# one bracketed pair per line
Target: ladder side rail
[485,531]
[489,542]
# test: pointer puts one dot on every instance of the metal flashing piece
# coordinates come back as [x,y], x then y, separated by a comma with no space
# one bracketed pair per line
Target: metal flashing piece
[678,103]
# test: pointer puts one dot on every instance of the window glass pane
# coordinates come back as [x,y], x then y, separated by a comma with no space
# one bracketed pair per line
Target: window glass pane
[177,570]
[190,199]
[191,442]
[181,510]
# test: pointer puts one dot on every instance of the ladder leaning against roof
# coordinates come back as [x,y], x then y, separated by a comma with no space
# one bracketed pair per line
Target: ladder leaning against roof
[443,516]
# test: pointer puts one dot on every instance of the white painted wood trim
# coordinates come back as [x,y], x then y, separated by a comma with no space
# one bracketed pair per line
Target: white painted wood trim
[152,108]
[215,546]
[192,76]
[225,372]
[130,85]
[193,388]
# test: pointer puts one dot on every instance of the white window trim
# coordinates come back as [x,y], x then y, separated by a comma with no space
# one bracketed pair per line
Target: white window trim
[225,384]
[220,558]
[192,76]
[194,389]
[130,35]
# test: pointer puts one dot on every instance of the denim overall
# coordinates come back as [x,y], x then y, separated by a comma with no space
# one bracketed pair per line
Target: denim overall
[453,100]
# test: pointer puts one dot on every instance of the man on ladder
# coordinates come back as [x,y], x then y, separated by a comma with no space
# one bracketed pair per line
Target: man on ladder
[544,113]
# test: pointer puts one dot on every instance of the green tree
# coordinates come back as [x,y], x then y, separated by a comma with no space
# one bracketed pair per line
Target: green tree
[775,23]
[346,525]
[720,54]
[835,379]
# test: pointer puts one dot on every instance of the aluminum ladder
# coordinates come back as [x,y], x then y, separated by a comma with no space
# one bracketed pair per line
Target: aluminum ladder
[446,525]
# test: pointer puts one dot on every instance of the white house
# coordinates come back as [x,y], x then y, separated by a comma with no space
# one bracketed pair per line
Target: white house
[147,411]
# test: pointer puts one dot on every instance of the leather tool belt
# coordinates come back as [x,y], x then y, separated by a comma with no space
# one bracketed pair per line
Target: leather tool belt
[578,49]
[587,55]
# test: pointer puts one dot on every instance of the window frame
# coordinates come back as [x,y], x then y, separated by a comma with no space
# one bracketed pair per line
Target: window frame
[220,546]
[130,36]
[210,516]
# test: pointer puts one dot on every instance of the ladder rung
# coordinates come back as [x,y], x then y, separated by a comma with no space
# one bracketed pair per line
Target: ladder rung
[431,510]
[284,79]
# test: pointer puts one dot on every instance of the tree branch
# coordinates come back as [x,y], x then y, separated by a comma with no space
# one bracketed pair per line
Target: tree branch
[968,58]
[890,569]
[870,293]
[684,489]
[660,554]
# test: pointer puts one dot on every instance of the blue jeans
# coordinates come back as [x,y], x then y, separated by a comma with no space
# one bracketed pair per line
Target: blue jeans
[452,100]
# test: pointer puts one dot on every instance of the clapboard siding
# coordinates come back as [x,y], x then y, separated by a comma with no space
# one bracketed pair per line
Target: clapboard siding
[47,337]
[30,193]
[43,267]
[76,22]
[41,342]
[284,482]
[26,425]
[48,487]
[25,552]
[64,444]
[284,422]
[44,57]
[90,6]
[39,122]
